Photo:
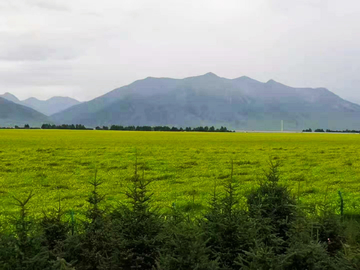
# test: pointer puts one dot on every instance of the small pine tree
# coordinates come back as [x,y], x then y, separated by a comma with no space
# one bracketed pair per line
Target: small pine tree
[226,226]
[28,252]
[136,228]
[55,231]
[273,202]
[91,248]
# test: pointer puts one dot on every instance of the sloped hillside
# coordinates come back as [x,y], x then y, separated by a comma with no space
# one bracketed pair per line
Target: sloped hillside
[12,114]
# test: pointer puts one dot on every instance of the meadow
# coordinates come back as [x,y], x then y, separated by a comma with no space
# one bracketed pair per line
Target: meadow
[184,167]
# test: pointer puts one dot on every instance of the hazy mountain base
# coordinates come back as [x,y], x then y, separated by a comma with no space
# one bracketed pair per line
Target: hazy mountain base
[240,103]
[198,111]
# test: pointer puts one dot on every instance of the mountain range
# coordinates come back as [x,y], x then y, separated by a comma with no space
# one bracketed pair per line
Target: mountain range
[47,107]
[242,103]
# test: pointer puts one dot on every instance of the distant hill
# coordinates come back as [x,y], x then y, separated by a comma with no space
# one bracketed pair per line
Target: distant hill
[241,103]
[52,105]
[12,114]
[47,107]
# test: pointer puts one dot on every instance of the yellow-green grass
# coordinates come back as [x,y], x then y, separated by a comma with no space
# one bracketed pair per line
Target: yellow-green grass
[184,167]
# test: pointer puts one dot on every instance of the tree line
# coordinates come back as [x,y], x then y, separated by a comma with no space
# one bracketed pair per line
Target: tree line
[165,128]
[332,131]
[343,131]
[63,126]
[26,126]
[128,128]
[272,231]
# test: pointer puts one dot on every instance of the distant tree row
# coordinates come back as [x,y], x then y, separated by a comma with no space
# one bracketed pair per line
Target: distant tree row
[26,126]
[49,126]
[165,128]
[342,131]
[127,128]
[316,130]
[331,131]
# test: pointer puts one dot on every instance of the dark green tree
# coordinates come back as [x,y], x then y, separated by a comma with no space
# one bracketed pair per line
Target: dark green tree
[91,249]
[185,246]
[226,226]
[136,229]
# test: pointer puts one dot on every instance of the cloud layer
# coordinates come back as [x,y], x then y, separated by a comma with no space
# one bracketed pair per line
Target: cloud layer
[84,48]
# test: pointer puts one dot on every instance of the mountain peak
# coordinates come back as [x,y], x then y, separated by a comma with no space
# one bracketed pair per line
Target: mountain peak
[271,81]
[210,74]
[30,99]
[63,98]
[246,79]
[10,97]
[206,76]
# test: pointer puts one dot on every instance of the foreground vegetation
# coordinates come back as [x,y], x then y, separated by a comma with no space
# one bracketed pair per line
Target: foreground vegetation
[272,231]
[195,201]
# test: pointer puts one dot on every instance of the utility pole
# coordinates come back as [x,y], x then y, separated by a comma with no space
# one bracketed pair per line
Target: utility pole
[282,125]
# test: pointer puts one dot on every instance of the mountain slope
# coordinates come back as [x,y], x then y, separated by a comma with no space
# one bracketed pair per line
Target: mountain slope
[241,103]
[12,114]
[47,107]
[52,105]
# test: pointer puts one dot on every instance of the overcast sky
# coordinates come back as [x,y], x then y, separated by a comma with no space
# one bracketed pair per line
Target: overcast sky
[85,48]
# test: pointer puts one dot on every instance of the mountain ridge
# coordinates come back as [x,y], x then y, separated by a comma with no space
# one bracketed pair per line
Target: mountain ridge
[240,103]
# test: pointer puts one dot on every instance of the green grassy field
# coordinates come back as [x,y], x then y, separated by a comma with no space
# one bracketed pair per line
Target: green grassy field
[184,167]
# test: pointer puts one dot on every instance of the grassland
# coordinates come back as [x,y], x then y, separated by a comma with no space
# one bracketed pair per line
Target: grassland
[184,167]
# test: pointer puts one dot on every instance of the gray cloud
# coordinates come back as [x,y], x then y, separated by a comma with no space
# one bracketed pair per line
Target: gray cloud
[51,5]
[40,47]
[85,48]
